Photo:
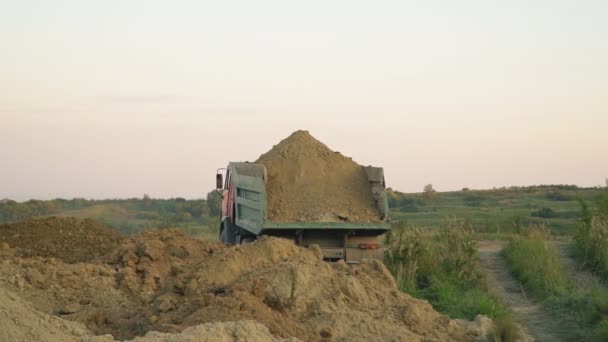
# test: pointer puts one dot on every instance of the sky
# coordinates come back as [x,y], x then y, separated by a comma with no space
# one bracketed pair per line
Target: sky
[116,99]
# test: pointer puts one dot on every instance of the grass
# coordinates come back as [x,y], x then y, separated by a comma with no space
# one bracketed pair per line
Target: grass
[197,217]
[499,211]
[442,268]
[536,263]
[129,220]
[591,237]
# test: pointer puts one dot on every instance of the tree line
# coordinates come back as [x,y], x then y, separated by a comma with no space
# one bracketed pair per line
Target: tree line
[174,209]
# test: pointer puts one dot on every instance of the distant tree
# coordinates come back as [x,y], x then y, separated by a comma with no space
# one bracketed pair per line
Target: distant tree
[408,205]
[214,203]
[559,196]
[428,191]
[544,213]
[196,208]
[473,199]
[147,201]
[183,216]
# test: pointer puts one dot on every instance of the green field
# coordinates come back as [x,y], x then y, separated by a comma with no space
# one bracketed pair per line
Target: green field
[199,218]
[505,210]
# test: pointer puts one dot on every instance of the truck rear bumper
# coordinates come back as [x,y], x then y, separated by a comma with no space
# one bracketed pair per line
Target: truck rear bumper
[352,255]
[350,248]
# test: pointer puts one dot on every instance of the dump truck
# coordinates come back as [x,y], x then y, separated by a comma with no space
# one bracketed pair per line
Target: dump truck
[245,207]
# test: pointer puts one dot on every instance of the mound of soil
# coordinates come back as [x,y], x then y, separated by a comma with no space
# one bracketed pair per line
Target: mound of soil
[67,238]
[158,259]
[19,321]
[309,182]
[166,286]
[294,293]
[241,331]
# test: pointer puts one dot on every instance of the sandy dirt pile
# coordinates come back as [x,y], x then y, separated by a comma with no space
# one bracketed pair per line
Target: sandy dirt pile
[157,259]
[19,321]
[68,238]
[242,331]
[168,287]
[309,182]
[81,292]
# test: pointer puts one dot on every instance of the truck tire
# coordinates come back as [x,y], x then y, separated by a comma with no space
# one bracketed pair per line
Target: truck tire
[229,232]
[222,234]
[247,240]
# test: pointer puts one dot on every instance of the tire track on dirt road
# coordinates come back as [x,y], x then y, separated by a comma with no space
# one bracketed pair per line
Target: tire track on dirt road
[537,324]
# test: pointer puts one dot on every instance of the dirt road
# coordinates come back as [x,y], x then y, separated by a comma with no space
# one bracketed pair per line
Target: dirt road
[535,321]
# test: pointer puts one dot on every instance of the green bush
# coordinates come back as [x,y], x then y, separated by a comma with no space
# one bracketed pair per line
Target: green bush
[544,213]
[558,196]
[600,333]
[473,199]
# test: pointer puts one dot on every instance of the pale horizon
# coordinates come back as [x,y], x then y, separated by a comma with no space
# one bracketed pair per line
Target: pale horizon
[121,99]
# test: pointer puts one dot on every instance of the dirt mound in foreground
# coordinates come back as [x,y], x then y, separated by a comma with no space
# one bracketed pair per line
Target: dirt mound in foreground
[158,259]
[19,321]
[68,238]
[241,331]
[309,182]
[166,282]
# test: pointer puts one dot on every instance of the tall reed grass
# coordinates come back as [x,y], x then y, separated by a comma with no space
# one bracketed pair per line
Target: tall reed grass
[441,267]
[536,262]
[591,240]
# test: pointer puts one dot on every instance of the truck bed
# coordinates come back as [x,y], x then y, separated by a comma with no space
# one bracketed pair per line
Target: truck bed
[337,239]
[251,203]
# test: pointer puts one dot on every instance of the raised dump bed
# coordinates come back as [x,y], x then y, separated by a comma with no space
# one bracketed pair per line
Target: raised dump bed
[304,191]
[245,206]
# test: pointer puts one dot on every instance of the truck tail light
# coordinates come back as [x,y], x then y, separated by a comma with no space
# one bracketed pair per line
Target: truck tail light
[368,246]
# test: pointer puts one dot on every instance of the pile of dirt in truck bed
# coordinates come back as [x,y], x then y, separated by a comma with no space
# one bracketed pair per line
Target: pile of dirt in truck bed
[309,182]
[67,238]
[188,290]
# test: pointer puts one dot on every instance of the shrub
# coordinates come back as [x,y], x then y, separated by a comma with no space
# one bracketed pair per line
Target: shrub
[558,196]
[600,333]
[544,213]
[473,199]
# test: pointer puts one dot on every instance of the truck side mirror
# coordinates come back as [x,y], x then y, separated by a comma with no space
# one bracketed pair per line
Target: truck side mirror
[219,181]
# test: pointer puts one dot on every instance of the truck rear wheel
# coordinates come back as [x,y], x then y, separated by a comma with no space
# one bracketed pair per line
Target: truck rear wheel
[247,240]
[222,234]
[228,232]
